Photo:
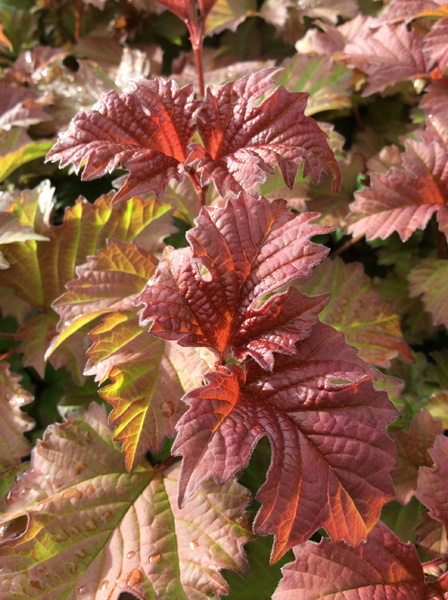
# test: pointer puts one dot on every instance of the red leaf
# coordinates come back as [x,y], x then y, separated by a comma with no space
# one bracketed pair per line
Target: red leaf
[404,199]
[435,104]
[325,422]
[407,10]
[412,450]
[243,140]
[184,9]
[435,44]
[388,55]
[384,568]
[146,131]
[250,249]
[431,484]
[429,278]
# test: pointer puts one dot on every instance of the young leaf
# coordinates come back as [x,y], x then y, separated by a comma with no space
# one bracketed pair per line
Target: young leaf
[430,280]
[412,451]
[383,568]
[356,309]
[243,140]
[146,131]
[250,249]
[431,484]
[95,530]
[388,55]
[13,445]
[404,200]
[325,422]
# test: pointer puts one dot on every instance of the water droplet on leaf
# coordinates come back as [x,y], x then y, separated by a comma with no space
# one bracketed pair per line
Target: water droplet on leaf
[104,584]
[130,554]
[155,558]
[36,584]
[194,545]
[167,408]
[134,578]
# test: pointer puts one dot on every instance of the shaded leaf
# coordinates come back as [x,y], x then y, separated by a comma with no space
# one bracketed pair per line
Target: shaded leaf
[113,531]
[325,424]
[368,323]
[402,520]
[249,249]
[19,106]
[435,46]
[407,10]
[429,279]
[431,484]
[435,105]
[320,9]
[404,200]
[146,131]
[412,451]
[228,14]
[388,55]
[13,444]
[383,566]
[431,536]
[244,140]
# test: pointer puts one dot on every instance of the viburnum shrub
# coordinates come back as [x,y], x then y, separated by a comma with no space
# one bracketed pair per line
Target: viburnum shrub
[202,374]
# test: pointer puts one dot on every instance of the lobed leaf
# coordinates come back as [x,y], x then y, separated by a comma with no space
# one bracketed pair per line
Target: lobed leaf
[94,531]
[431,536]
[355,309]
[412,452]
[387,55]
[435,105]
[146,131]
[407,10]
[243,140]
[429,279]
[249,249]
[19,106]
[403,200]
[383,568]
[431,483]
[13,444]
[434,44]
[325,424]
[228,14]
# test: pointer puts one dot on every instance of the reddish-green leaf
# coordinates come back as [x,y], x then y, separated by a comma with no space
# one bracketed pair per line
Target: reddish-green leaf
[432,483]
[13,444]
[412,450]
[387,55]
[243,140]
[430,280]
[368,323]
[228,14]
[146,131]
[249,249]
[325,422]
[404,200]
[93,531]
[431,536]
[384,568]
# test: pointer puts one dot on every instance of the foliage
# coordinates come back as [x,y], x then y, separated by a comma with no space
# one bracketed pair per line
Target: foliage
[223,348]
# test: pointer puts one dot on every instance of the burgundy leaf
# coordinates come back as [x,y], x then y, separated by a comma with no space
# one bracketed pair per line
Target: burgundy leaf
[146,131]
[435,44]
[431,536]
[384,568]
[412,451]
[432,483]
[429,278]
[243,141]
[249,249]
[404,199]
[325,423]
[435,103]
[387,55]
[184,9]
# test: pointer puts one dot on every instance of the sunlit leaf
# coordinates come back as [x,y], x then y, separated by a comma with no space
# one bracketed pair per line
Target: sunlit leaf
[248,249]
[228,14]
[325,424]
[79,525]
[16,150]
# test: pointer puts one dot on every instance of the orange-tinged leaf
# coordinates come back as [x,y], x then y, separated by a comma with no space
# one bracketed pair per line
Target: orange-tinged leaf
[368,323]
[78,525]
[146,131]
[325,423]
[244,140]
[249,249]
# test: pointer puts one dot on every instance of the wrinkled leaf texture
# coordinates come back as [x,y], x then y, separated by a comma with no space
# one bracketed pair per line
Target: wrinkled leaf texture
[94,531]
[148,132]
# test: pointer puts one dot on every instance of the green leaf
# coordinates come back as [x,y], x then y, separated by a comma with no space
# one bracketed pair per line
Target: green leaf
[13,154]
[228,14]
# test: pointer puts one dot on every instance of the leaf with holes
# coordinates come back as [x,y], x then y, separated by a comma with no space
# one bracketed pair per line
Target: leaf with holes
[429,279]
[368,323]
[248,250]
[403,200]
[383,568]
[325,422]
[146,131]
[119,531]
[412,451]
[244,140]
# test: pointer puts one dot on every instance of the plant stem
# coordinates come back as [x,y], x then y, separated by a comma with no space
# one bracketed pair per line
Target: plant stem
[347,245]
[6,355]
[200,191]
[197,49]
[8,336]
[441,244]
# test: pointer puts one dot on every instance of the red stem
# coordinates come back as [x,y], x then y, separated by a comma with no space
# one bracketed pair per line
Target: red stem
[200,191]
[6,355]
[8,336]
